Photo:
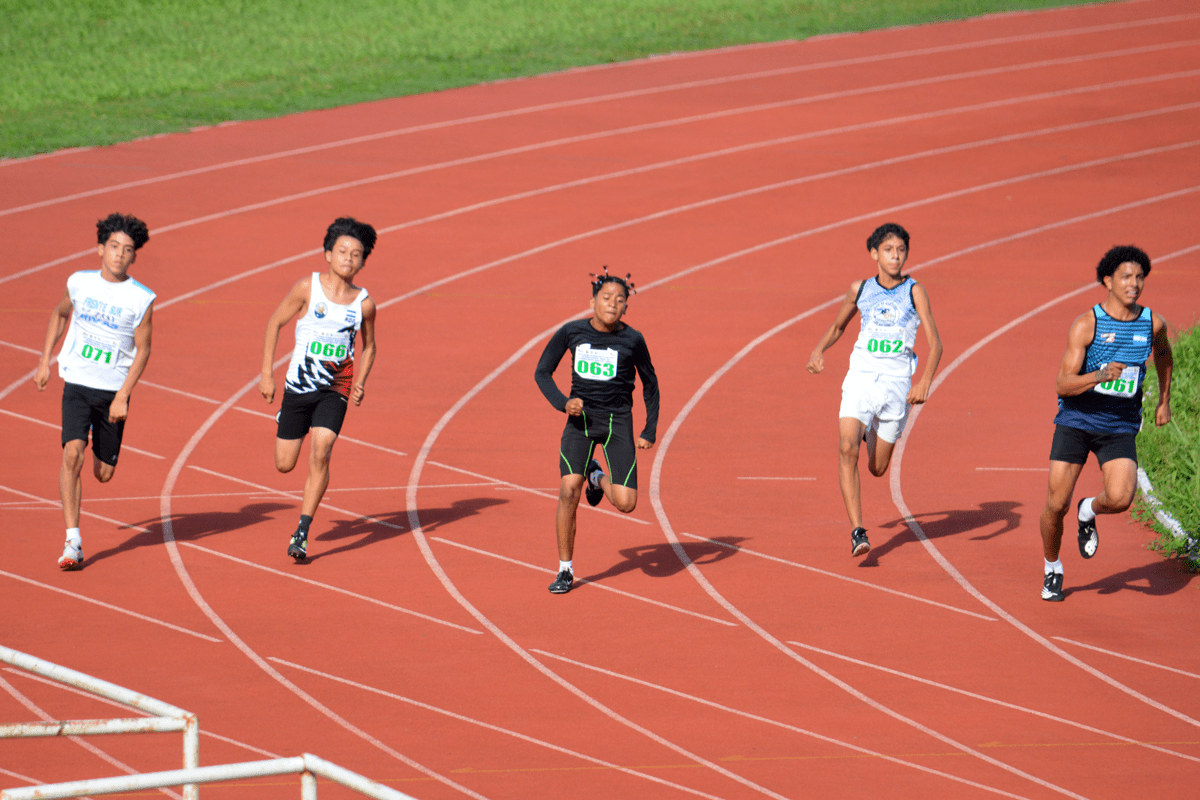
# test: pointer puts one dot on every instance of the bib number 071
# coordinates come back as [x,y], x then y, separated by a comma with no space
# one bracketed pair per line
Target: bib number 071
[96,354]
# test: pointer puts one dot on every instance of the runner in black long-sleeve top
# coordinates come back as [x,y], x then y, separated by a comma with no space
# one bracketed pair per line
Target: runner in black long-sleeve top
[605,354]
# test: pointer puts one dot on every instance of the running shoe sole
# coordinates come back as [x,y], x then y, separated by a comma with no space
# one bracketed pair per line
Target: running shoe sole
[1089,537]
[594,494]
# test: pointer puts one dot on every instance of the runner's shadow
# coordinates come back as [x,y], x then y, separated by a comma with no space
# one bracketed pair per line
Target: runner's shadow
[1158,578]
[192,527]
[940,524]
[369,530]
[661,561]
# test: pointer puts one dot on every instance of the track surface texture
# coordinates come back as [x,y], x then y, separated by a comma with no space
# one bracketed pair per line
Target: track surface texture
[725,644]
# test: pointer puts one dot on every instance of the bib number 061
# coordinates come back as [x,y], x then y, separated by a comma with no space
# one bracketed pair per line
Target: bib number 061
[327,350]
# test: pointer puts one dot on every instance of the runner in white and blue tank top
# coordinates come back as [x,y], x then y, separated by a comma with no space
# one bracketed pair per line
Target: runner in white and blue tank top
[878,390]
[1099,389]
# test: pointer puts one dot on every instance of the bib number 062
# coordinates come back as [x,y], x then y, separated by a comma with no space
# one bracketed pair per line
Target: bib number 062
[884,345]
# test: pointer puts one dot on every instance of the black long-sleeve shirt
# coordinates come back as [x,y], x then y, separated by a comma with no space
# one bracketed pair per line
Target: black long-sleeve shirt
[602,370]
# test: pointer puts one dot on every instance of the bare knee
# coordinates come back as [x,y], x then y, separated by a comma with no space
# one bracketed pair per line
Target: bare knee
[848,451]
[73,456]
[569,492]
[878,470]
[104,472]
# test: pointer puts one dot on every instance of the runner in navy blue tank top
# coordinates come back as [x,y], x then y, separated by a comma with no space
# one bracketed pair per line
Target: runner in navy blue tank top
[1100,405]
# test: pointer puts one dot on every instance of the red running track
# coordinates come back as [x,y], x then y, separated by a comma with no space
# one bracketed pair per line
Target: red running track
[726,644]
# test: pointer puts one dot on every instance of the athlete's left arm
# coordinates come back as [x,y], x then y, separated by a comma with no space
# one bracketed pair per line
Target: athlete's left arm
[367,357]
[919,392]
[645,370]
[1164,365]
[119,408]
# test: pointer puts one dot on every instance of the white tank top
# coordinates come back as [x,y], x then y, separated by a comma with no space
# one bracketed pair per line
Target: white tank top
[99,347]
[889,330]
[323,357]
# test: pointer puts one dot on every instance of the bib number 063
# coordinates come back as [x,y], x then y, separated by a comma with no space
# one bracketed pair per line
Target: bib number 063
[327,350]
[596,368]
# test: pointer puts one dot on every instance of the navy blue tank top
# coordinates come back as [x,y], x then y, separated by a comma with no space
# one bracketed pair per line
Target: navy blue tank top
[1114,406]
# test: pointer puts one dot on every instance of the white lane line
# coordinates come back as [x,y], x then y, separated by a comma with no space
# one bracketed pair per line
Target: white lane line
[189,585]
[329,587]
[951,570]
[1127,658]
[608,97]
[45,424]
[644,168]
[828,574]
[776,723]
[109,606]
[86,745]
[488,726]
[994,701]
[114,703]
[582,581]
[770,478]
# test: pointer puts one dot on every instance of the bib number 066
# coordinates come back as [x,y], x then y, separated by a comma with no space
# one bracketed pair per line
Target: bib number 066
[327,350]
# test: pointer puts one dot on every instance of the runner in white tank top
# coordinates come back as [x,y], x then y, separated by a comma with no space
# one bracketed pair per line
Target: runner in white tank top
[105,351]
[878,388]
[323,375]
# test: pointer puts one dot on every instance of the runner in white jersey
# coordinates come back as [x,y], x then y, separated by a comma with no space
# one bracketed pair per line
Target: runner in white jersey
[878,390]
[323,375]
[105,351]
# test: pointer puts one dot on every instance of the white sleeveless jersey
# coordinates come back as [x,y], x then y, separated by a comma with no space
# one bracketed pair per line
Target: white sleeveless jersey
[99,347]
[323,357]
[889,330]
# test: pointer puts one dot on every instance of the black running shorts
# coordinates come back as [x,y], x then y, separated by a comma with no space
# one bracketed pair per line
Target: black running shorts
[86,409]
[298,413]
[613,431]
[1072,445]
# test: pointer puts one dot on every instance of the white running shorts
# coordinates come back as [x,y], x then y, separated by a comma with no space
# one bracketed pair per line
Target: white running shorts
[879,401]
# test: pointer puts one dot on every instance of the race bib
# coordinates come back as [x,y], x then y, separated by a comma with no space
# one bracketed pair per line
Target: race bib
[97,348]
[1124,386]
[595,365]
[329,346]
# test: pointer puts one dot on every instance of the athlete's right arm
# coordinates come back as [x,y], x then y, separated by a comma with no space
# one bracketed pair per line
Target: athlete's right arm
[292,305]
[1070,382]
[54,332]
[544,373]
[849,308]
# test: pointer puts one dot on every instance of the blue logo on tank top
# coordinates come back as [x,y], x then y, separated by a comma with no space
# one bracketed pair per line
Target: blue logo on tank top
[319,311]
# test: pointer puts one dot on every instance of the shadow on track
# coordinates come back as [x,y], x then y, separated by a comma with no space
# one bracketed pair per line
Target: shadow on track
[660,561]
[1158,578]
[940,524]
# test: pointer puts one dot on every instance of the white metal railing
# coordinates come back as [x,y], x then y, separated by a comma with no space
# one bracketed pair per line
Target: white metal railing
[165,717]
[308,766]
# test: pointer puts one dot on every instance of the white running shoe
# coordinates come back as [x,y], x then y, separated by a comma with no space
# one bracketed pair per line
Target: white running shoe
[72,557]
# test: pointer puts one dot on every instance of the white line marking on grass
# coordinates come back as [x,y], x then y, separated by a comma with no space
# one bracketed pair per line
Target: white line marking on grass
[329,587]
[828,574]
[1127,658]
[757,718]
[489,726]
[115,704]
[994,701]
[582,581]
[56,427]
[109,606]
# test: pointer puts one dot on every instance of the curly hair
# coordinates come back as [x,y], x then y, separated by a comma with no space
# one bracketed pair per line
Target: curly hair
[1117,256]
[349,226]
[883,231]
[127,224]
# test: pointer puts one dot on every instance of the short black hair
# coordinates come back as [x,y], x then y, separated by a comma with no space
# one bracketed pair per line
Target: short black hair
[882,232]
[599,280]
[349,226]
[1117,256]
[127,224]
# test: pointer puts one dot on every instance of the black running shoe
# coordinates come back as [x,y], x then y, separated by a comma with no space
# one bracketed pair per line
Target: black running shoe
[593,492]
[858,542]
[298,547]
[1089,537]
[562,584]
[1052,588]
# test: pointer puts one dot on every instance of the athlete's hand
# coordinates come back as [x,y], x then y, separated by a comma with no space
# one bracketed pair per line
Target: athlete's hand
[1162,414]
[816,363]
[266,387]
[119,409]
[42,377]
[918,393]
[1110,371]
[575,406]
[357,392]
[643,444]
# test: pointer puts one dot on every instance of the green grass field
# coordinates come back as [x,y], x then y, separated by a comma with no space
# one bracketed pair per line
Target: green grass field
[89,72]
[1170,455]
